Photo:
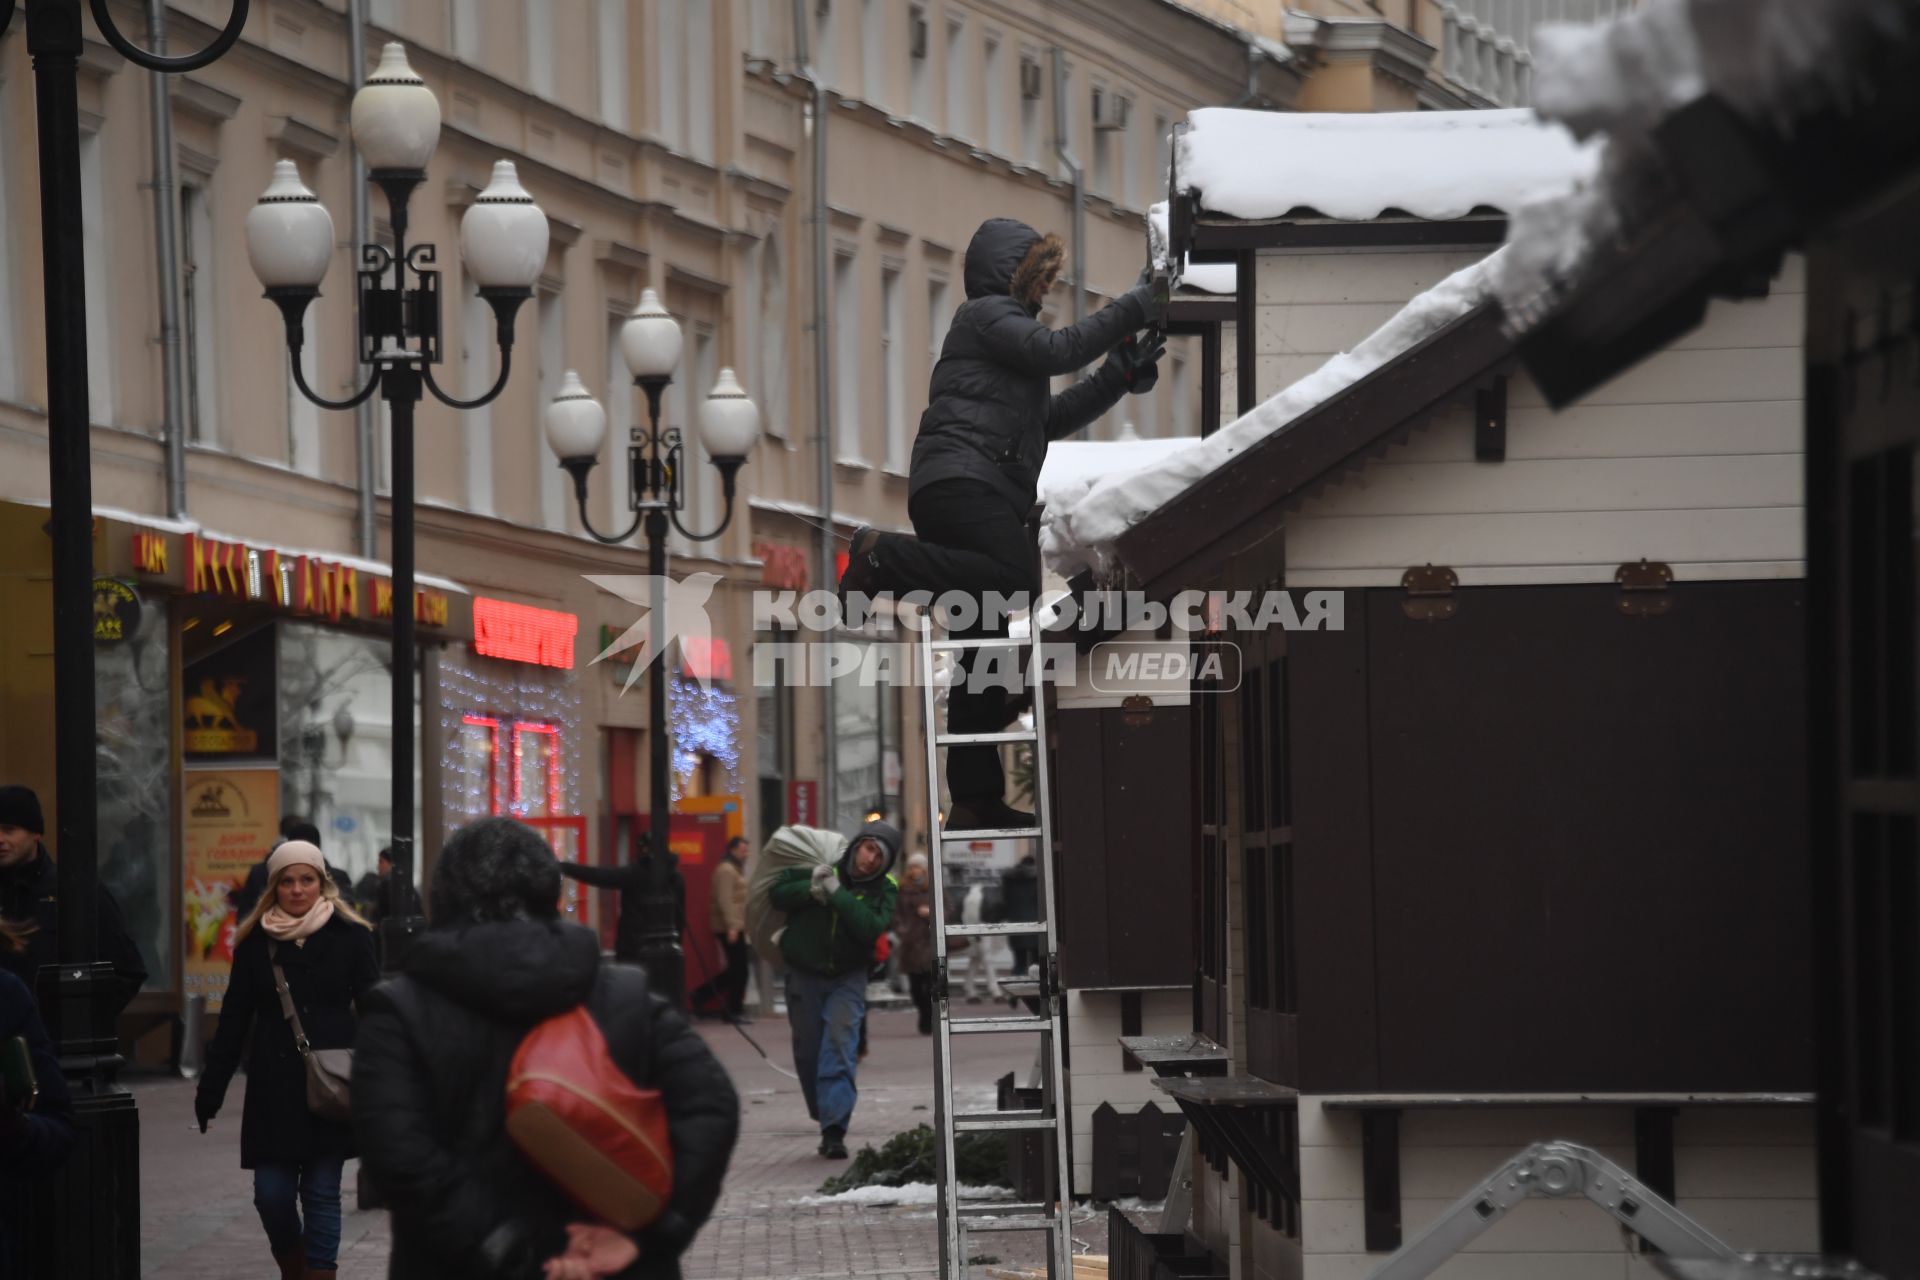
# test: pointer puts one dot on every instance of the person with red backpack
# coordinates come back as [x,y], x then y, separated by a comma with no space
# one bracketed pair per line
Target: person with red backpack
[496,972]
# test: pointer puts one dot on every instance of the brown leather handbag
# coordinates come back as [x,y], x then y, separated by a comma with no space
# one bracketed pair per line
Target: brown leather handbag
[329,1071]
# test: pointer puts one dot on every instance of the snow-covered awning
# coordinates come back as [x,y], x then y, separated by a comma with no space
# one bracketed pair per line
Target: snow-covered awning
[1430,164]
[1201,277]
[1729,129]
[1086,518]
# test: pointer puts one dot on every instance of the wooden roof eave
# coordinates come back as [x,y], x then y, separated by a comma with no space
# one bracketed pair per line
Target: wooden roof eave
[1246,502]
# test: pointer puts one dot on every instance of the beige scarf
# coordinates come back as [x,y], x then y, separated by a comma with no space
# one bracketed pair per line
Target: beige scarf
[296,929]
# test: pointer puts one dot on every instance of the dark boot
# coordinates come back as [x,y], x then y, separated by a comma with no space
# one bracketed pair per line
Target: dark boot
[293,1266]
[988,816]
[833,1144]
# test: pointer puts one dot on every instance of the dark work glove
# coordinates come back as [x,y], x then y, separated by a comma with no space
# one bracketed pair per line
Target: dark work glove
[1138,357]
[204,1109]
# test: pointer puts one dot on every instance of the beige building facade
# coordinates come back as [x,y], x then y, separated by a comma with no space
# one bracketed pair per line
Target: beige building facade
[670,145]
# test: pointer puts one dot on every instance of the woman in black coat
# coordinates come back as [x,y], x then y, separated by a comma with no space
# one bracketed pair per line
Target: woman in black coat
[430,1078]
[976,465]
[33,1143]
[326,951]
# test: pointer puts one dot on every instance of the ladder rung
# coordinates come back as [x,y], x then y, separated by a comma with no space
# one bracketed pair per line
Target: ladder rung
[1012,1022]
[1022,1222]
[1001,929]
[988,1121]
[984,739]
[983,642]
[992,833]
[1004,1209]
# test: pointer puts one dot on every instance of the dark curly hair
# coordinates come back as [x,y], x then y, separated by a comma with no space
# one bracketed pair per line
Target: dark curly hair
[495,869]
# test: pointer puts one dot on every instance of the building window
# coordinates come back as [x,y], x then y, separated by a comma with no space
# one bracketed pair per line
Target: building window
[873,51]
[464,17]
[772,337]
[136,796]
[1267,817]
[1103,144]
[620,408]
[893,370]
[554,485]
[939,316]
[1162,144]
[866,765]
[540,50]
[683,76]
[920,60]
[774,721]
[613,62]
[1180,415]
[1032,94]
[959,118]
[846,351]
[992,75]
[93,233]
[197,335]
[824,62]
[476,425]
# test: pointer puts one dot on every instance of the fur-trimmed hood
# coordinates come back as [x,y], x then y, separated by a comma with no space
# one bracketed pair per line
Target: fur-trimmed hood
[1009,258]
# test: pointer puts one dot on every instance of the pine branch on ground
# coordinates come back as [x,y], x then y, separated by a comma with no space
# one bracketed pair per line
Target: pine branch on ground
[908,1157]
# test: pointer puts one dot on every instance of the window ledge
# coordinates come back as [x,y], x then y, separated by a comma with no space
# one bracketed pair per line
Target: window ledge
[897,472]
[853,464]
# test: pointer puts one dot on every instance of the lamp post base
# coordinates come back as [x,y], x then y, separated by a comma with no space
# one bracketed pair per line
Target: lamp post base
[86,1217]
[659,949]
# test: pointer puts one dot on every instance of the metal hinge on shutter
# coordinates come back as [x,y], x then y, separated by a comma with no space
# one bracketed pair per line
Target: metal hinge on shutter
[1643,589]
[1429,593]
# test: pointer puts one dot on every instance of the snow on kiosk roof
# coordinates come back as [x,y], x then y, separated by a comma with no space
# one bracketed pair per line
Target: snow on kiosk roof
[1257,165]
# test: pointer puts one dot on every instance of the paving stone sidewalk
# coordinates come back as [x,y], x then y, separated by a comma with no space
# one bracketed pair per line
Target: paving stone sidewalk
[198,1219]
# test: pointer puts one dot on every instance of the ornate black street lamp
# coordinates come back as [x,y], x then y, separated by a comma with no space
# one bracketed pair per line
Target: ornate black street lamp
[87,1219]
[729,425]
[395,121]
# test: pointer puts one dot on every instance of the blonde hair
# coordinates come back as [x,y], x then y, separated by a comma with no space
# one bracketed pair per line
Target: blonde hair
[13,936]
[328,890]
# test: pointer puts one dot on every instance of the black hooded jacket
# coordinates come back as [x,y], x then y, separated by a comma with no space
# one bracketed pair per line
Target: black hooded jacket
[429,1099]
[990,410]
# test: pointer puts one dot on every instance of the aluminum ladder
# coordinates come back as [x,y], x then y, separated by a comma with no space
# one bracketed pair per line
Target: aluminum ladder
[958,1221]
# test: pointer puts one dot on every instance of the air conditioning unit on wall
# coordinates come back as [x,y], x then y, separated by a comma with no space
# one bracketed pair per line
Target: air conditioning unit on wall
[1029,79]
[1110,110]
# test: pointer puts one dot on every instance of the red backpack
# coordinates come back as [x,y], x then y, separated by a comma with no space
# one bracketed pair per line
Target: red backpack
[594,1133]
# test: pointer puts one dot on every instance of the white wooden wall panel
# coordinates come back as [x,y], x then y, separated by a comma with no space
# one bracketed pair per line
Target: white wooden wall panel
[1099,1072]
[1372,275]
[1691,457]
[1745,1174]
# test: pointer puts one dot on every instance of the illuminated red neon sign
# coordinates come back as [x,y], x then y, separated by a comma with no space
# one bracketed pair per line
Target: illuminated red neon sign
[522,633]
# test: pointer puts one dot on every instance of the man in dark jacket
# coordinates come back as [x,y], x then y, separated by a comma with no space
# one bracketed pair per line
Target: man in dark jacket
[631,883]
[30,896]
[32,1143]
[976,466]
[430,1077]
[835,913]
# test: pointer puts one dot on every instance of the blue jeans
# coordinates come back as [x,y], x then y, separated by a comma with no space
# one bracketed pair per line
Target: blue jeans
[825,1014]
[318,1188]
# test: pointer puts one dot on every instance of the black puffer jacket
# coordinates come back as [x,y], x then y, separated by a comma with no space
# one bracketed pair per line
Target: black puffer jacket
[990,411]
[326,975]
[30,895]
[429,1094]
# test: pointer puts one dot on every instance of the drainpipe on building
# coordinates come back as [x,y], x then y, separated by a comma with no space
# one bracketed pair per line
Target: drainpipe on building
[364,438]
[1255,55]
[166,248]
[1063,148]
[822,390]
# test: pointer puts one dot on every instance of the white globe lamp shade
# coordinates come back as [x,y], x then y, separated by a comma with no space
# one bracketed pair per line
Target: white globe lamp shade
[503,235]
[576,424]
[729,420]
[289,233]
[395,118]
[650,339]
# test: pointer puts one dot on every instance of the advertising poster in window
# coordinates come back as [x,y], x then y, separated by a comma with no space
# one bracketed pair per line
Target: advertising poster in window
[228,702]
[231,817]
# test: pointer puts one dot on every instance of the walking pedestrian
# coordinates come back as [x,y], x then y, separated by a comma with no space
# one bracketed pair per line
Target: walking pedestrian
[430,1078]
[976,465]
[913,923]
[835,912]
[727,917]
[33,1143]
[983,967]
[30,899]
[291,828]
[301,954]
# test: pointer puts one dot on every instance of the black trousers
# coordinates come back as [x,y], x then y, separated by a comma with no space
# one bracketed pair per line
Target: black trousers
[730,985]
[969,539]
[921,985]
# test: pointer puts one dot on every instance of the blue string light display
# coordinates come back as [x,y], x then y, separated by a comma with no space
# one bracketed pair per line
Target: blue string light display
[704,721]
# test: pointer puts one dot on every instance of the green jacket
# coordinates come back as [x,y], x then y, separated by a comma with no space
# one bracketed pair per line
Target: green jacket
[837,938]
